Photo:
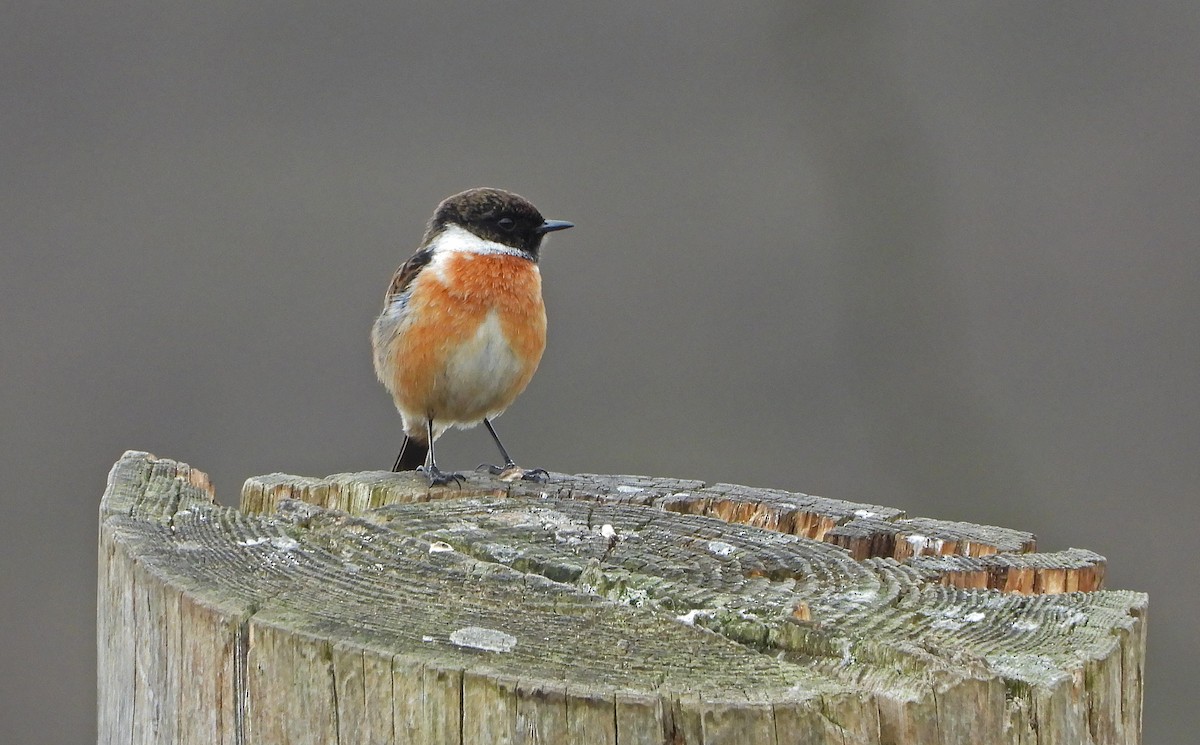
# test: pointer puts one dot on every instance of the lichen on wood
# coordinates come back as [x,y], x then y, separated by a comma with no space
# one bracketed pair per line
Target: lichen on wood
[369,607]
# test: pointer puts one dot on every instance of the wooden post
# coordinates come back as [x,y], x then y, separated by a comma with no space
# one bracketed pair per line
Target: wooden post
[370,608]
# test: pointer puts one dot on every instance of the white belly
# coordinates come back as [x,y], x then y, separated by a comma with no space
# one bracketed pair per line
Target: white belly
[478,379]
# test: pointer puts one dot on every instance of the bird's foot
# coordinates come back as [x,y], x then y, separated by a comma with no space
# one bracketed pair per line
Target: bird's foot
[438,477]
[513,472]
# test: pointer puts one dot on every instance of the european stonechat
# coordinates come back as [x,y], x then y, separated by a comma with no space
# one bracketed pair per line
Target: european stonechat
[463,326]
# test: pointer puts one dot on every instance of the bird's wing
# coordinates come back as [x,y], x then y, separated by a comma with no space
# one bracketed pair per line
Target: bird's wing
[407,272]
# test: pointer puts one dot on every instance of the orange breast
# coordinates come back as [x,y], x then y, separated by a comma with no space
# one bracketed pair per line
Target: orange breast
[445,315]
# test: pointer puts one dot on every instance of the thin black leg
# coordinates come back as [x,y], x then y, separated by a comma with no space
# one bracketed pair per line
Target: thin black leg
[510,468]
[508,461]
[436,476]
[430,460]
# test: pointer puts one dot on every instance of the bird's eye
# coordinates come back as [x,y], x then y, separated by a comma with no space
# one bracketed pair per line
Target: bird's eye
[506,224]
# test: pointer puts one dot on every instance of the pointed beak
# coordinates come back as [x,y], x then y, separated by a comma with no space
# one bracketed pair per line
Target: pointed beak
[550,226]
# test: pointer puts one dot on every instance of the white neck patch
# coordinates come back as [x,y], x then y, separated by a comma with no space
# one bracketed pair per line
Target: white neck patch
[455,239]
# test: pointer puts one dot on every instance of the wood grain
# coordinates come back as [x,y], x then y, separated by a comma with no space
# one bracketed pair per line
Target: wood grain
[371,608]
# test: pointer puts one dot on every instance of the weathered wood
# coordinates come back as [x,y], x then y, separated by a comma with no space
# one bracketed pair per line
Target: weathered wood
[593,609]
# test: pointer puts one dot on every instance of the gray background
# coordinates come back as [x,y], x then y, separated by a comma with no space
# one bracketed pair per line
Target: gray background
[937,256]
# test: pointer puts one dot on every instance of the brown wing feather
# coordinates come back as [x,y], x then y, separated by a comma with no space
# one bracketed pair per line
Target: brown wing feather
[407,272]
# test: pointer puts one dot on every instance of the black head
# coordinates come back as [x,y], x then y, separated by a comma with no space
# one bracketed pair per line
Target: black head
[495,215]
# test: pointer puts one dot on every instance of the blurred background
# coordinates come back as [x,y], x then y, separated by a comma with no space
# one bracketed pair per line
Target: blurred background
[939,256]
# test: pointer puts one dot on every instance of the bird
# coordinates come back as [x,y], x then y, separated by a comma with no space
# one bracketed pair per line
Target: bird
[463,325]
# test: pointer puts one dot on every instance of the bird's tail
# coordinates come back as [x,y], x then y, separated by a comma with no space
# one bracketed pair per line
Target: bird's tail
[412,454]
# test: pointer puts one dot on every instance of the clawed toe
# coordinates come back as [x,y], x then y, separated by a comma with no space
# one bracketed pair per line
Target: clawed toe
[513,472]
[438,477]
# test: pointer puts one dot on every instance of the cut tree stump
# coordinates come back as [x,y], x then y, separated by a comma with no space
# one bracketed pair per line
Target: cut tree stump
[370,608]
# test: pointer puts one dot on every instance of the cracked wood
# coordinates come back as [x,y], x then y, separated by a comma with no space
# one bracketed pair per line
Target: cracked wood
[369,607]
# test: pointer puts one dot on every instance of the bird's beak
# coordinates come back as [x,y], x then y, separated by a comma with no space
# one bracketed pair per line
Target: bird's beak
[550,226]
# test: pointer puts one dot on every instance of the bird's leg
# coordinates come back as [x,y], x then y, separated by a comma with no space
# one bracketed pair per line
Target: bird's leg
[436,476]
[510,471]
[508,461]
